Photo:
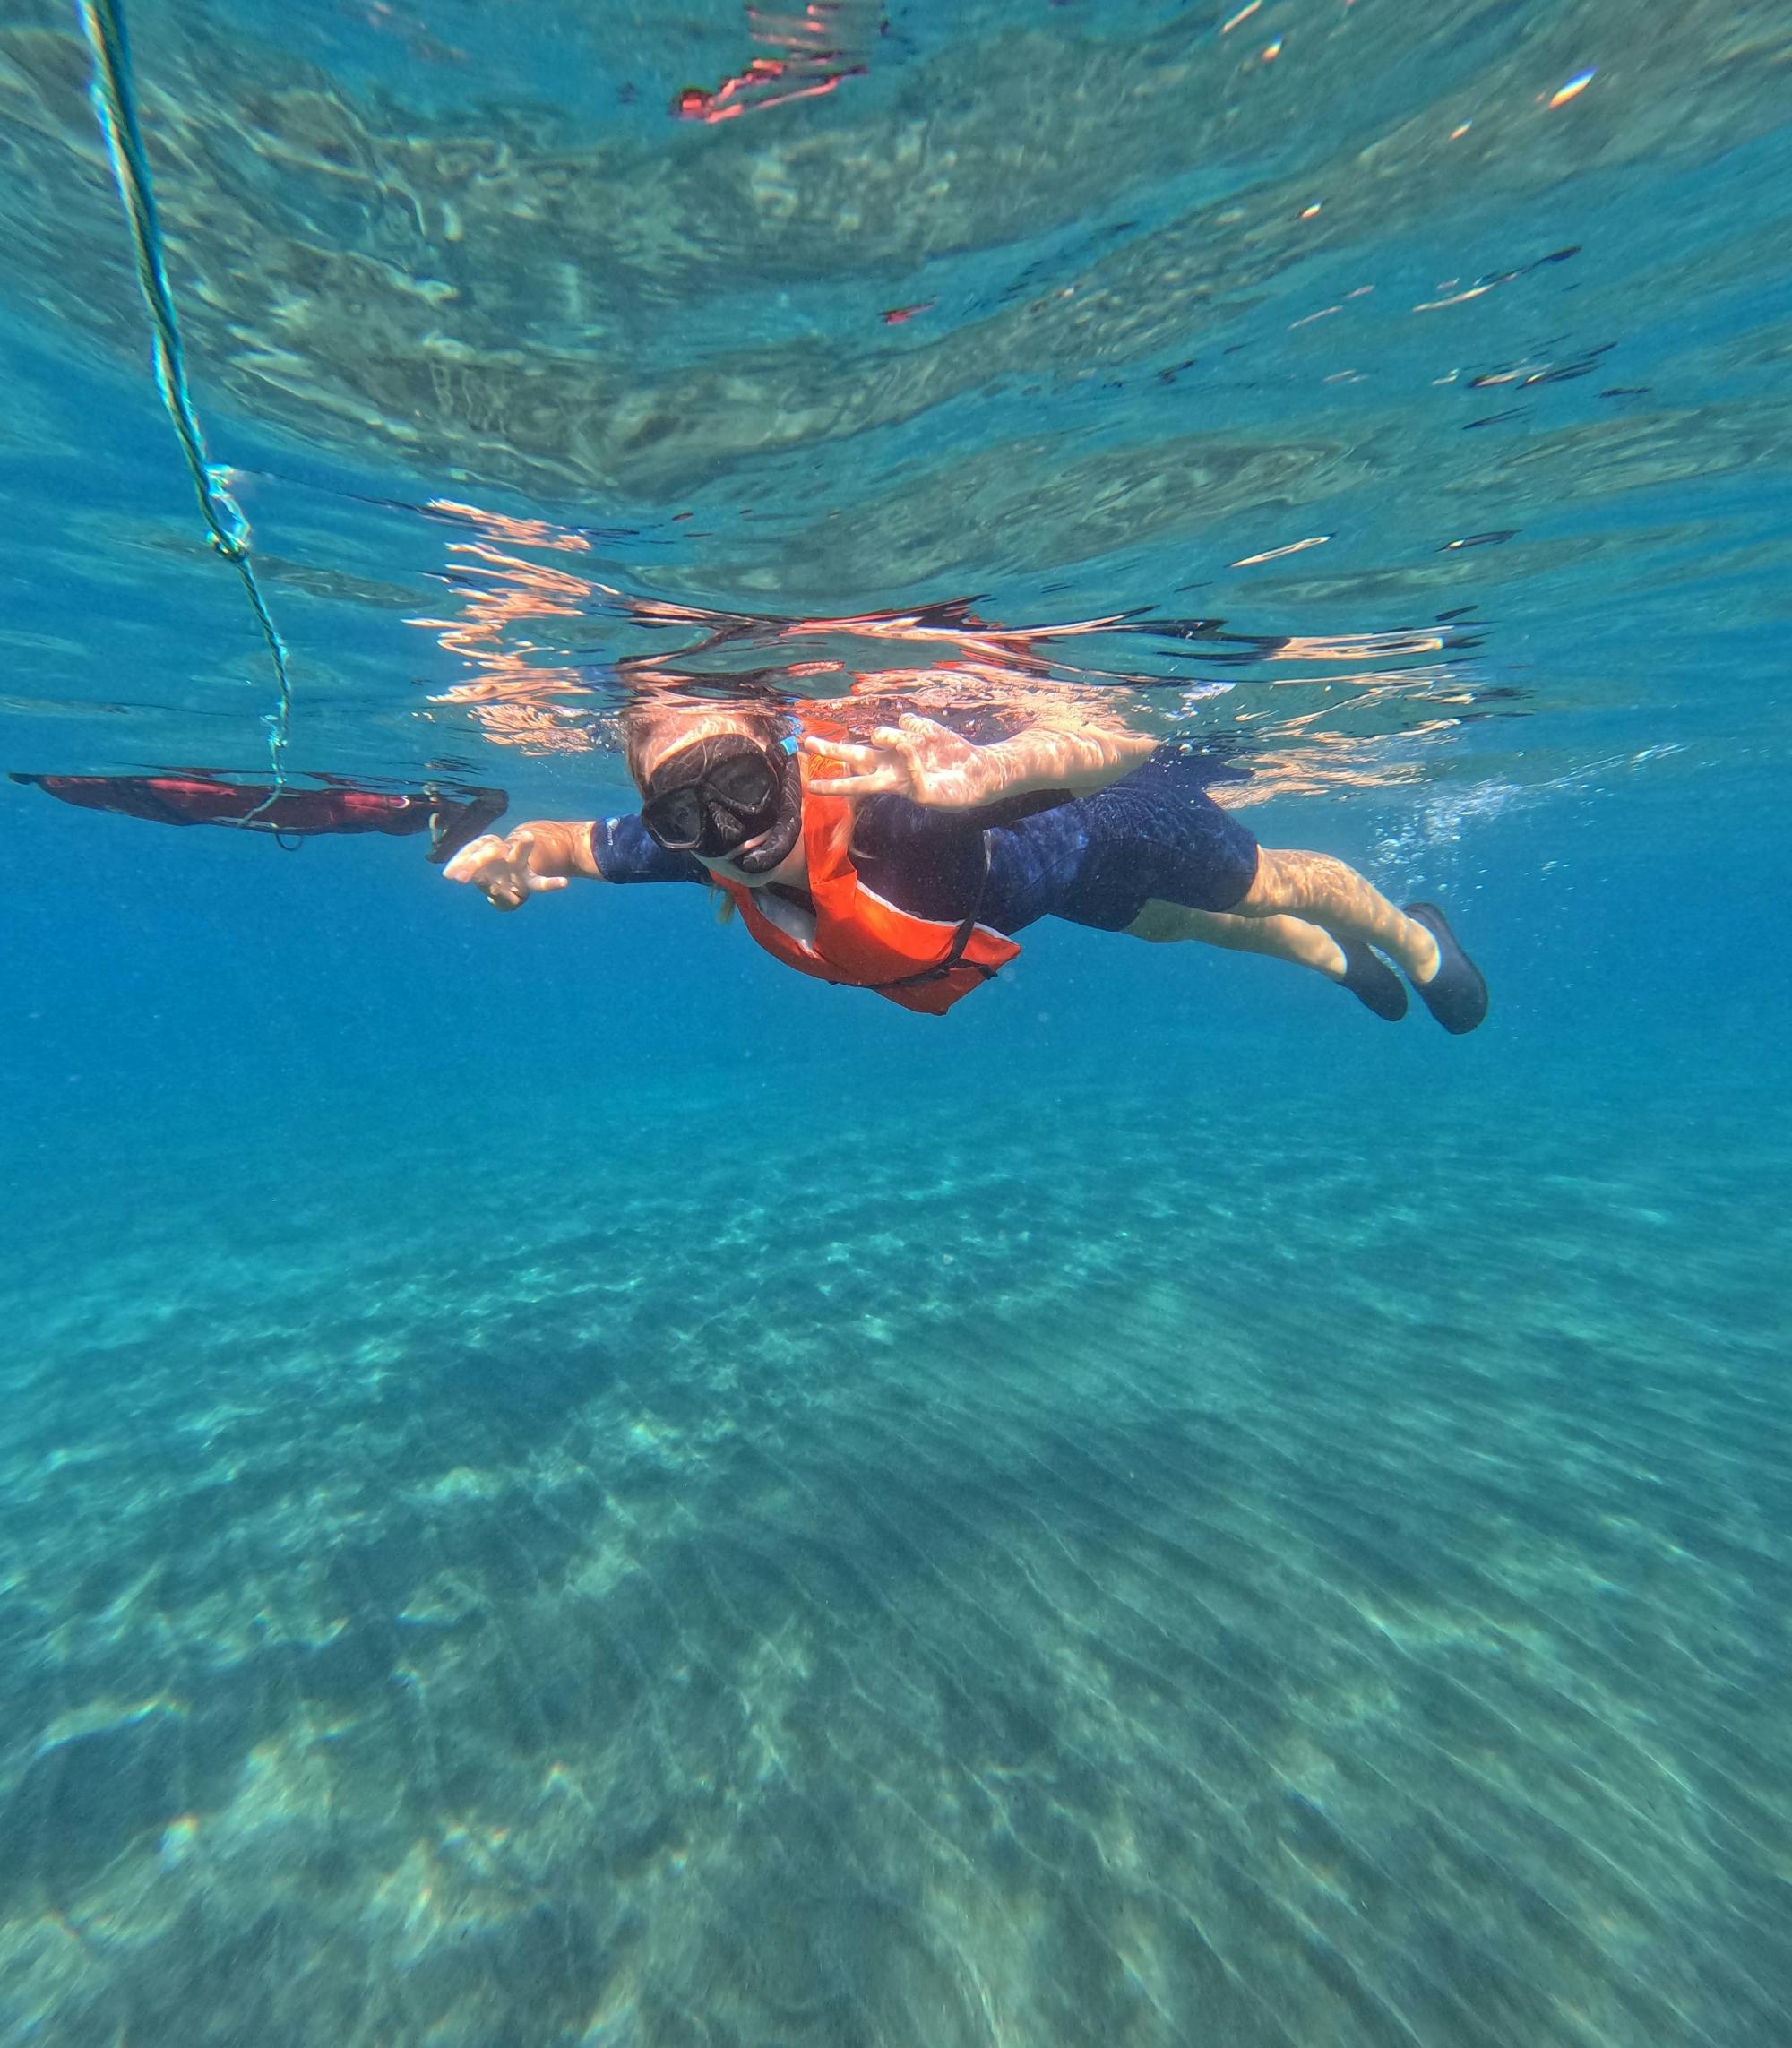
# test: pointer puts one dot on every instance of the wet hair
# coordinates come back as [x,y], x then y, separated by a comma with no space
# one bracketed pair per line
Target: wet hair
[647,725]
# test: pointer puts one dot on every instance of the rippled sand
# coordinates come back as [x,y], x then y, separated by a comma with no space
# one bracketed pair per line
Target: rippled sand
[1171,1574]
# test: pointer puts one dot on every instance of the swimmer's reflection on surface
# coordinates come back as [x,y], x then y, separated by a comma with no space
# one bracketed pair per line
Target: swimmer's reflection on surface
[904,861]
[804,51]
[319,806]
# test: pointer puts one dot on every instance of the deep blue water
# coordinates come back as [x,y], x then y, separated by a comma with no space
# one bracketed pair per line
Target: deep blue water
[559,1482]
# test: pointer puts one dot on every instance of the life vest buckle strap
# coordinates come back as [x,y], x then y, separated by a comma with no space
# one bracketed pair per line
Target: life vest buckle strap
[953,956]
[941,970]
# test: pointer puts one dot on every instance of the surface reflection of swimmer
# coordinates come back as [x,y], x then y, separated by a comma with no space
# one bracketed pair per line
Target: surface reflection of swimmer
[813,47]
[904,865]
[452,814]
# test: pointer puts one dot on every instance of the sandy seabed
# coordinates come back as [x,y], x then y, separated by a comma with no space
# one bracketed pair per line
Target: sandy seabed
[1125,1573]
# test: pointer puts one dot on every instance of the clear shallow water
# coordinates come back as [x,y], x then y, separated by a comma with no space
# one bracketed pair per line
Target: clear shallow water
[561,1484]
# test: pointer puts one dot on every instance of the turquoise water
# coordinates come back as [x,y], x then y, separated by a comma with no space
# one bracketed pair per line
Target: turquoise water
[560,1483]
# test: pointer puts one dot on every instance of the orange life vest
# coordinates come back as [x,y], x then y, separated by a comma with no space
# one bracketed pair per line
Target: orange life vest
[862,942]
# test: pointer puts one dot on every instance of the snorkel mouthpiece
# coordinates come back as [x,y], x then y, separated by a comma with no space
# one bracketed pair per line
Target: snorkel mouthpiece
[775,844]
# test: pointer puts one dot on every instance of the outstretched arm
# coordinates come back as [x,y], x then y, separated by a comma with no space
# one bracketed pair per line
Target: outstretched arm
[547,852]
[932,765]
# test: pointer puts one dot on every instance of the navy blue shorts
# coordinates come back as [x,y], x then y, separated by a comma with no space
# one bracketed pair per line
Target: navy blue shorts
[1099,860]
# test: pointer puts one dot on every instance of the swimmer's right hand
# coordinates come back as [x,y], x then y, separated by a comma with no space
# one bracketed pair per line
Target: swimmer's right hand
[544,853]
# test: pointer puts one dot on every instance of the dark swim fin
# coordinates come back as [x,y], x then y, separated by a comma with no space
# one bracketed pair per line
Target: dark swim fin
[1372,981]
[1456,995]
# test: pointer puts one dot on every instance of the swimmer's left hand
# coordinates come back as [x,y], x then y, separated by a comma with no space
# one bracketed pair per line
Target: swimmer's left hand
[926,762]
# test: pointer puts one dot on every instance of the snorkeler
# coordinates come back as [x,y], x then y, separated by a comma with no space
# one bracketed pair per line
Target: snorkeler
[905,865]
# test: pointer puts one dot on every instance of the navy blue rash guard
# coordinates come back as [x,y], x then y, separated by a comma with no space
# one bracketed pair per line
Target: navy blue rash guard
[1093,860]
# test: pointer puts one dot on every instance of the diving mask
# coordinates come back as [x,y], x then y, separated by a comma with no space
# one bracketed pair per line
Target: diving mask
[714,796]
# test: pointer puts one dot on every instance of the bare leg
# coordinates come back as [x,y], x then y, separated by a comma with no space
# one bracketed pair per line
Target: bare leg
[1291,939]
[1317,889]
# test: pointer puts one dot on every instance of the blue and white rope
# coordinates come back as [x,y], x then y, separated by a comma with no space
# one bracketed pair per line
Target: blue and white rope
[114,101]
